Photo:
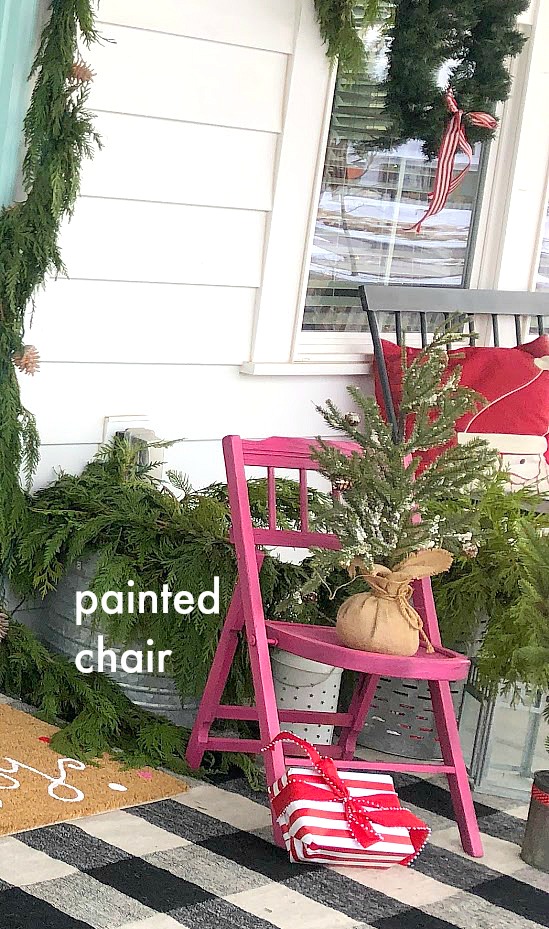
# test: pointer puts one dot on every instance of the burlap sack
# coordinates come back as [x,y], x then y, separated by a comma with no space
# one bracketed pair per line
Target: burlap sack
[384,621]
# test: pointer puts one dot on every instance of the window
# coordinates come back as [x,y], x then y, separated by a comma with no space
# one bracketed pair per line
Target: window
[331,193]
[542,282]
[369,200]
[17,38]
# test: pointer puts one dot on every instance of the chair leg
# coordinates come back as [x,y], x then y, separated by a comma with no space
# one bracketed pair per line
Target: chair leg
[275,767]
[269,726]
[359,706]
[460,790]
[217,678]
[267,710]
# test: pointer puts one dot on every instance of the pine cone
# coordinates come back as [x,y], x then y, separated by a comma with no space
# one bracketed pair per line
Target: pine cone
[28,361]
[81,72]
[4,625]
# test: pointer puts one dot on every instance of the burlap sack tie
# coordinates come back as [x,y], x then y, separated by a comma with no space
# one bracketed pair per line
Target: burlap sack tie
[396,585]
[385,589]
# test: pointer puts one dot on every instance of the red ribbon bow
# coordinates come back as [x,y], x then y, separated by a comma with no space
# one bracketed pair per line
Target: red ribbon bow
[361,822]
[454,137]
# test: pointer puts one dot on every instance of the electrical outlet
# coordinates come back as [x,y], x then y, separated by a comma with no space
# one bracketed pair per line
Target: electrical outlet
[114,424]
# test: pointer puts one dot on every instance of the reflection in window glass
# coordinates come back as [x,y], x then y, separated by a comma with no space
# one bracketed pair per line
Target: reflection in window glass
[541,323]
[369,200]
[542,282]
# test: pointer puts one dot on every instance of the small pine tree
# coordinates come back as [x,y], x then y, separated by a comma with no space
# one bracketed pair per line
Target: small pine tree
[384,490]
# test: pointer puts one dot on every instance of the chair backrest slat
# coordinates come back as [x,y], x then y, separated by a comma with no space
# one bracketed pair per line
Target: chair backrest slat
[273,453]
[446,319]
[495,328]
[471,321]
[303,501]
[271,497]
[398,328]
[294,538]
[423,329]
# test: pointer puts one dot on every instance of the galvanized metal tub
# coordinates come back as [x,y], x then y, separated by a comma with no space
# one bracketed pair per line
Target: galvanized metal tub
[401,720]
[153,692]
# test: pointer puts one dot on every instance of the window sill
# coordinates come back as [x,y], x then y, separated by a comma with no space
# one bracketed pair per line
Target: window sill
[306,368]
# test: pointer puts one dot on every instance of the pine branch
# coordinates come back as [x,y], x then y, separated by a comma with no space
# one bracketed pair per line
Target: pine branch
[374,519]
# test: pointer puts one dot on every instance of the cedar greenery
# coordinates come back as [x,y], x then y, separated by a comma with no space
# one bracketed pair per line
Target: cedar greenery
[508,584]
[528,631]
[381,486]
[99,717]
[58,135]
[339,27]
[142,532]
[527,635]
[501,597]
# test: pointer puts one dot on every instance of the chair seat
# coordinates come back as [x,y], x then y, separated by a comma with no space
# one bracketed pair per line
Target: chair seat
[320,643]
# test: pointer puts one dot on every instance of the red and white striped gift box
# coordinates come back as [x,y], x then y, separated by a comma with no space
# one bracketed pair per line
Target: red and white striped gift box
[346,818]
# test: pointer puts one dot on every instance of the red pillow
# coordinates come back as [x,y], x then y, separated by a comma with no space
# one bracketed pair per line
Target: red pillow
[514,381]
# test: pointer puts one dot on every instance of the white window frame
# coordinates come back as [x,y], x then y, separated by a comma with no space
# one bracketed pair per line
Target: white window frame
[511,220]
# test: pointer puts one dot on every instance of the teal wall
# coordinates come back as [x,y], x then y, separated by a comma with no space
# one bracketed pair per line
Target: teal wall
[18,20]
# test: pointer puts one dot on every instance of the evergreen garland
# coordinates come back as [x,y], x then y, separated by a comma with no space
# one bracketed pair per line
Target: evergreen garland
[58,134]
[479,35]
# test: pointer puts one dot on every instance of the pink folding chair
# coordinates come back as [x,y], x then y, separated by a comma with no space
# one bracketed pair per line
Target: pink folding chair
[319,643]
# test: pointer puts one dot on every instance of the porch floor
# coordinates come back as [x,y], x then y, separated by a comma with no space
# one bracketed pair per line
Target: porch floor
[205,859]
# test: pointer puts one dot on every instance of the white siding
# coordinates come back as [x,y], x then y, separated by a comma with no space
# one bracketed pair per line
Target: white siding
[165,252]
[193,401]
[134,240]
[173,77]
[158,323]
[177,162]
[265,24]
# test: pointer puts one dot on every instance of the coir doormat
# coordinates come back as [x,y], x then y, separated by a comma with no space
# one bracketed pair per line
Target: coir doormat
[38,787]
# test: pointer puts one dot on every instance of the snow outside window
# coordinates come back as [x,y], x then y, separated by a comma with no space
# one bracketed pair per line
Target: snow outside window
[369,199]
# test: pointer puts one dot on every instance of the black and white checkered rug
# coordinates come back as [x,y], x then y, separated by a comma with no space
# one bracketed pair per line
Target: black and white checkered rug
[204,860]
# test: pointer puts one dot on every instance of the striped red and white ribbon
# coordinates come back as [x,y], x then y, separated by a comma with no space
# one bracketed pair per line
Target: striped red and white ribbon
[540,795]
[298,802]
[454,138]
